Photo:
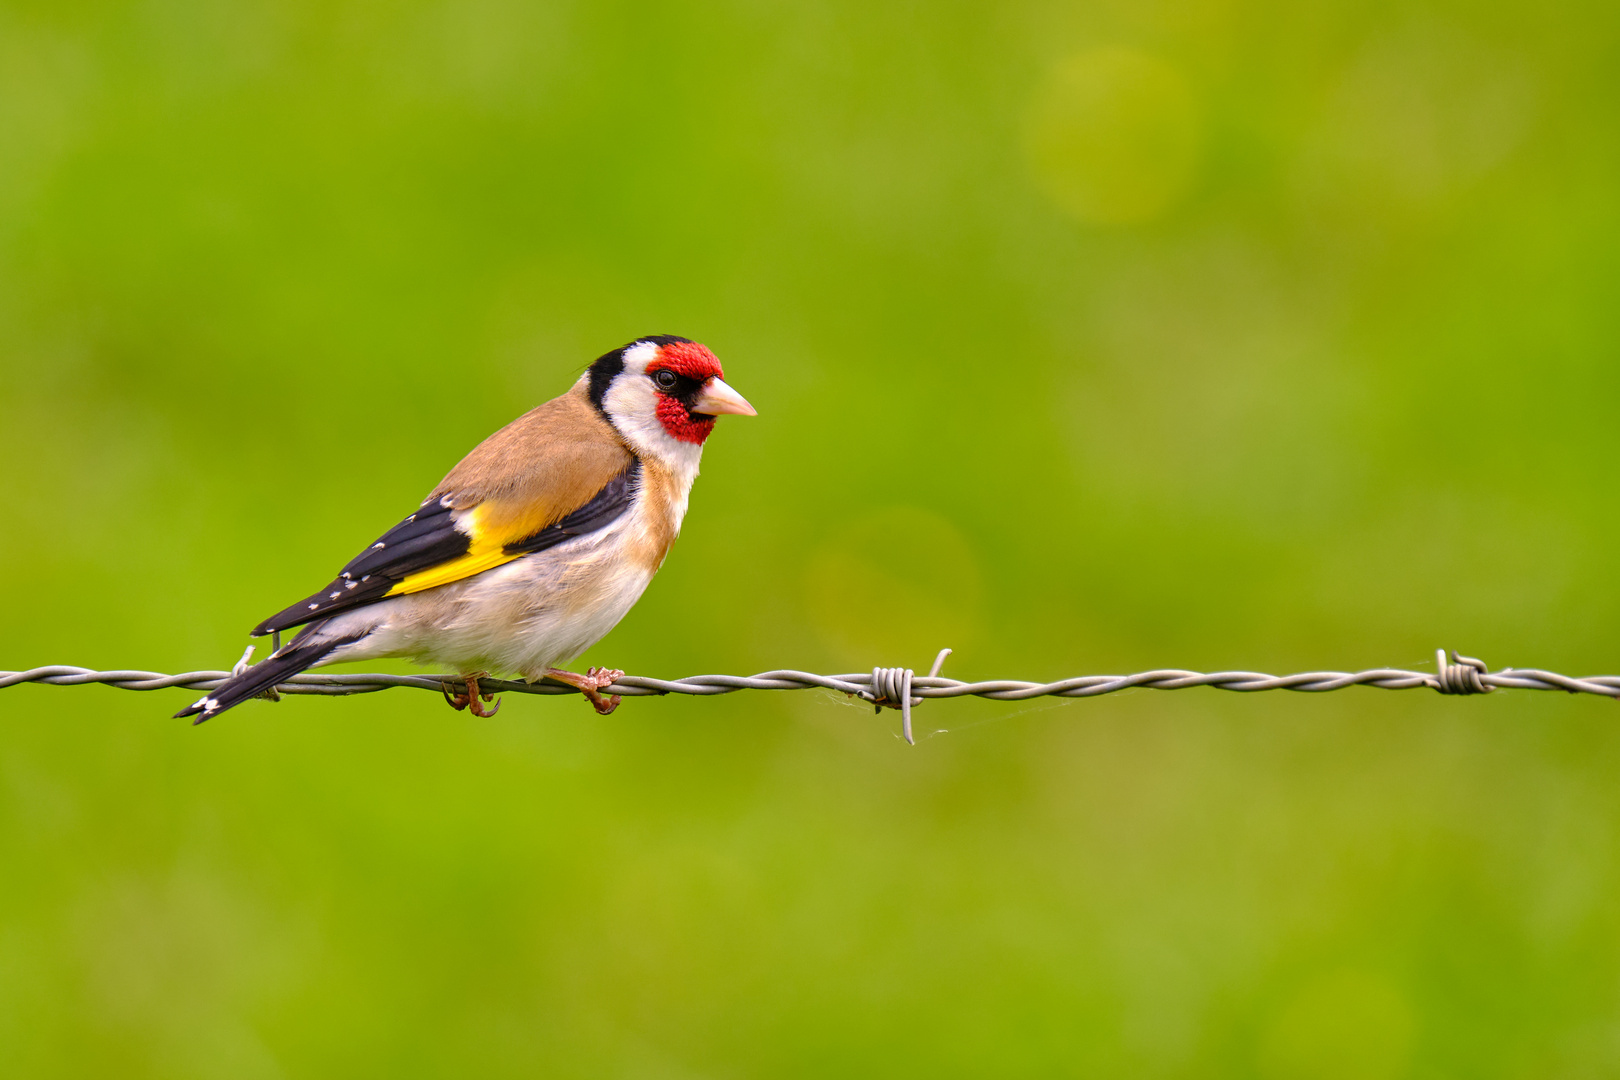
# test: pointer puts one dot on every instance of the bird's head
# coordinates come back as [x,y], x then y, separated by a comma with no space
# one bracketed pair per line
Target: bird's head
[663,393]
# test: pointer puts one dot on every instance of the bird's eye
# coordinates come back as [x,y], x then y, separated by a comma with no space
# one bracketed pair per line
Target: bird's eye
[664,380]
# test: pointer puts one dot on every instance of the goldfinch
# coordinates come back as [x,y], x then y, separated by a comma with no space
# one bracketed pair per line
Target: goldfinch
[533,547]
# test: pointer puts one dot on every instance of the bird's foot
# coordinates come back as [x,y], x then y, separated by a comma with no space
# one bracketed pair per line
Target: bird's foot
[471,697]
[589,683]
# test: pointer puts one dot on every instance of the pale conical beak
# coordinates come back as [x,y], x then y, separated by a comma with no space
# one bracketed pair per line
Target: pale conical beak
[719,398]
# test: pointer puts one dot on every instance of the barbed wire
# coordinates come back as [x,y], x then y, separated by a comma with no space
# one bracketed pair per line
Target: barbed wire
[895,688]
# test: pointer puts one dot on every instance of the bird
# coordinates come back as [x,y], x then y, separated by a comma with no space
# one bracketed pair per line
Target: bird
[532,548]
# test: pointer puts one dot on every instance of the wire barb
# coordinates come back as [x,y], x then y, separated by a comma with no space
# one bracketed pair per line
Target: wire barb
[241,666]
[1460,674]
[891,688]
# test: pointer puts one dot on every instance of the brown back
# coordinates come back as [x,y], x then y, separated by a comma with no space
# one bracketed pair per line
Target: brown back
[538,469]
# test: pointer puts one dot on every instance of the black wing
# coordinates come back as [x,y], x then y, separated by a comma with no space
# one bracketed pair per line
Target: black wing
[429,538]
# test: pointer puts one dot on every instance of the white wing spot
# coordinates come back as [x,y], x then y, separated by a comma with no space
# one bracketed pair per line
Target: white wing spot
[411,518]
[366,578]
[334,596]
[378,544]
[349,585]
[314,607]
[345,575]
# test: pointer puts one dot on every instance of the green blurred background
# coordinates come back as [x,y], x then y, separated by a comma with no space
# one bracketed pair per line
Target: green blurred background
[1086,337]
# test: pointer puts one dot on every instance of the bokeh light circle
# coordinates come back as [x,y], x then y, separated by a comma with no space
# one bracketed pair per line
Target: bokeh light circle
[1113,136]
[898,584]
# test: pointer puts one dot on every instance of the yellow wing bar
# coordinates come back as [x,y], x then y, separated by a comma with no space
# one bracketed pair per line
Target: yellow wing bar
[487,551]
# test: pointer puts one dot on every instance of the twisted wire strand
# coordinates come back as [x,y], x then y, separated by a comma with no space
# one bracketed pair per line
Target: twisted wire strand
[897,688]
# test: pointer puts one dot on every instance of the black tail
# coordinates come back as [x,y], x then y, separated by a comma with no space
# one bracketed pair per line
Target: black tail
[299,655]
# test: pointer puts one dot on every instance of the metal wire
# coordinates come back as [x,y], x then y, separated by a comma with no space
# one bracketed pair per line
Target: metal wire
[895,688]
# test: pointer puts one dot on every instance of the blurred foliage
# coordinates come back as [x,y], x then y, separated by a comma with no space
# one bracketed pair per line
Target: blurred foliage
[1087,336]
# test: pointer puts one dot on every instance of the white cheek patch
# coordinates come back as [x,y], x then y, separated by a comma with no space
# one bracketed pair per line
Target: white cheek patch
[638,356]
[631,404]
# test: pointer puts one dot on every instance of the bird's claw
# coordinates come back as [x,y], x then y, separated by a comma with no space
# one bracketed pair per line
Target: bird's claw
[603,677]
[471,698]
[589,683]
